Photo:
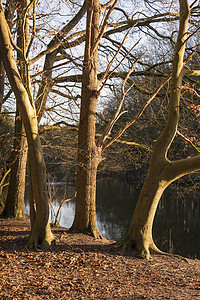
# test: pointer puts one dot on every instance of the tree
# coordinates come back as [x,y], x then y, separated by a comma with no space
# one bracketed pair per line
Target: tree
[14,204]
[89,155]
[162,171]
[90,150]
[40,229]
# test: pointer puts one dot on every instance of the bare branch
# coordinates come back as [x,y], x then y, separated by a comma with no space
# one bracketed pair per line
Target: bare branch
[33,31]
[144,147]
[188,141]
[107,75]
[104,26]
[113,120]
[192,72]
[106,5]
[13,43]
[63,202]
[57,41]
[117,52]
[138,115]
[132,121]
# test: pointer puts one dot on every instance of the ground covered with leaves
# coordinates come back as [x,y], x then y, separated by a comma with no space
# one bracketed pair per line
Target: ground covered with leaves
[80,267]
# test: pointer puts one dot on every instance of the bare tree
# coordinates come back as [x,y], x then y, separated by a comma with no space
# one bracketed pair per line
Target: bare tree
[90,150]
[14,204]
[40,230]
[162,171]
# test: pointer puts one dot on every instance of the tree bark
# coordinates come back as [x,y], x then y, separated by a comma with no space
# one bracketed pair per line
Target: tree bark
[89,155]
[161,171]
[14,205]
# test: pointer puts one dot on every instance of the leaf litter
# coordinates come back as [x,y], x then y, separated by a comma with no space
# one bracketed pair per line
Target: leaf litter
[79,267]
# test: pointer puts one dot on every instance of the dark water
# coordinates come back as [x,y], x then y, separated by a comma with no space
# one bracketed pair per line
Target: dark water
[176,226]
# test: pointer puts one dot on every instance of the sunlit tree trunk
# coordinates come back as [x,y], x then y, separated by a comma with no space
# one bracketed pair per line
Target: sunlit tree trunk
[89,155]
[161,171]
[40,231]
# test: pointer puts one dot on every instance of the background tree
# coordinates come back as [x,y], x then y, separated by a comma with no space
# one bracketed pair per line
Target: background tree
[14,205]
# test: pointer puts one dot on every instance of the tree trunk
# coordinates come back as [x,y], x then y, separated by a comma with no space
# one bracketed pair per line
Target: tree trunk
[162,171]
[40,231]
[14,205]
[85,215]
[139,235]
[89,155]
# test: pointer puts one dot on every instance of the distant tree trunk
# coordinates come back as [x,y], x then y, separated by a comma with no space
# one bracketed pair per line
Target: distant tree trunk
[14,205]
[161,171]
[89,155]
[40,231]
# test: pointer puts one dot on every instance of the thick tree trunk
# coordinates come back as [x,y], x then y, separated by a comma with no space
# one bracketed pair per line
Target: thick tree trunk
[89,155]
[85,215]
[40,217]
[139,235]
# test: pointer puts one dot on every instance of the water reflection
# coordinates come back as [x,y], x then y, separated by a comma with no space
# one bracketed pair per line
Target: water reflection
[115,205]
[177,224]
[176,227]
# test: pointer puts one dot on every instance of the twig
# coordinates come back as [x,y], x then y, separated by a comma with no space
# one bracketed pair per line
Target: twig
[64,201]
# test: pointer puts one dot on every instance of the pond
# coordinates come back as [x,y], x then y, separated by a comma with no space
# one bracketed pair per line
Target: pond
[176,226]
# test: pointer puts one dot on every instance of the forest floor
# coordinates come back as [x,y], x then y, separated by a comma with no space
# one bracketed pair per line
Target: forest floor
[80,267]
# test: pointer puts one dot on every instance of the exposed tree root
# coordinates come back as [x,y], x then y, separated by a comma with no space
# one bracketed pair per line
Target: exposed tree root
[155,250]
[128,243]
[37,243]
[98,236]
[144,251]
[94,233]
